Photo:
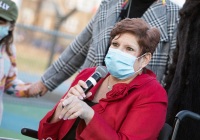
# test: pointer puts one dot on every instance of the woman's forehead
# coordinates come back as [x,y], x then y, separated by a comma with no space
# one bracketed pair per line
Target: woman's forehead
[128,37]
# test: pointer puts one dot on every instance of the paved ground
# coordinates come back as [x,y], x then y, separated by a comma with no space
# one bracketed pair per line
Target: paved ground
[27,112]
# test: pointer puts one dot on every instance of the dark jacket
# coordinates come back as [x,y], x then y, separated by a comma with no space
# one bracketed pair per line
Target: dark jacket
[183,82]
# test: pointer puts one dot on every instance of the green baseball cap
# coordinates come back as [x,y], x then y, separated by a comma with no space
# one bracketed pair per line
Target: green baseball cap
[8,10]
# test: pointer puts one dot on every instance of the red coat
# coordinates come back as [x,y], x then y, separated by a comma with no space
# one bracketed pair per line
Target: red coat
[134,111]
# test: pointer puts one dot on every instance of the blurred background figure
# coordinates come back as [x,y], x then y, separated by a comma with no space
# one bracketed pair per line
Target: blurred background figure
[184,78]
[8,70]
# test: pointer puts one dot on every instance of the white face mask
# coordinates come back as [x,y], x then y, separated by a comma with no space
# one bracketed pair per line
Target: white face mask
[4,31]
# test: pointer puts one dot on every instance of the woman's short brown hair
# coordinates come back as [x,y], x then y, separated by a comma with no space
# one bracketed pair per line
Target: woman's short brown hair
[148,37]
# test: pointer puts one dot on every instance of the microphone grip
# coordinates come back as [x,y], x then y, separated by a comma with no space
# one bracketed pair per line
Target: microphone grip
[89,84]
[92,81]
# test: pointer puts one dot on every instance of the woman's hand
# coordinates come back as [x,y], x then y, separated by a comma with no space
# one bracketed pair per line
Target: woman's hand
[78,91]
[71,108]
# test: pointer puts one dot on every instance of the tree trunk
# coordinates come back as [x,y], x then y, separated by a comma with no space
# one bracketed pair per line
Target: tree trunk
[57,26]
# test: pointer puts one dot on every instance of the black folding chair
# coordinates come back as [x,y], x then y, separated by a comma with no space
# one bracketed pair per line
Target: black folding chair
[167,132]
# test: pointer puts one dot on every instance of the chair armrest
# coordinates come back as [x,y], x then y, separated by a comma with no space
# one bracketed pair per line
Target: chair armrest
[187,114]
[29,132]
[165,132]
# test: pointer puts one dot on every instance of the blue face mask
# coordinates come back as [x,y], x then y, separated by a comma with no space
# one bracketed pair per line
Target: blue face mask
[120,64]
[3,31]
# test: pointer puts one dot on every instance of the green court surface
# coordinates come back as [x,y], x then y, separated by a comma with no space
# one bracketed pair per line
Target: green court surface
[27,112]
[24,112]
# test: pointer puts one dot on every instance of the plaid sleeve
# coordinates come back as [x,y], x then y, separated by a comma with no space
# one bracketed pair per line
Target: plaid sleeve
[70,60]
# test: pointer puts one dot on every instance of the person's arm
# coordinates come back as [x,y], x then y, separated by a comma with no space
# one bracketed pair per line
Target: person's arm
[13,85]
[66,65]
[49,130]
[51,123]
[139,124]
[73,108]
[75,54]
[173,20]
[70,60]
[173,42]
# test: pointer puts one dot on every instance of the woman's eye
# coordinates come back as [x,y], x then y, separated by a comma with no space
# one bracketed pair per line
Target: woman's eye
[114,44]
[130,49]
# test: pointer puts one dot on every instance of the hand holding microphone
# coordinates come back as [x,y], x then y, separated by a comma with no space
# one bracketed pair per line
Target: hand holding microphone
[78,90]
[71,106]
[81,90]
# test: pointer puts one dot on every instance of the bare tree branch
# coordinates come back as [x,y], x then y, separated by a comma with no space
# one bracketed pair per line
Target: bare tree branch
[60,18]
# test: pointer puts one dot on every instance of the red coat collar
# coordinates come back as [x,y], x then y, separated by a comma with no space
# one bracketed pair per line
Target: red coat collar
[122,89]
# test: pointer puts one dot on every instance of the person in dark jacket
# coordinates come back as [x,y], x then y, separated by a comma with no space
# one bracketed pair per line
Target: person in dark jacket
[183,81]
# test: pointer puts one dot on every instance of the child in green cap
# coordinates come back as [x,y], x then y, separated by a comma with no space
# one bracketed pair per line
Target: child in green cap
[8,71]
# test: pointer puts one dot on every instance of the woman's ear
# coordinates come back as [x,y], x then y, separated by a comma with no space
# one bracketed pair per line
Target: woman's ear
[146,59]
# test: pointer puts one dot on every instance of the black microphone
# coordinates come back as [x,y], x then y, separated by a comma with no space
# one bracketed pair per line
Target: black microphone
[100,72]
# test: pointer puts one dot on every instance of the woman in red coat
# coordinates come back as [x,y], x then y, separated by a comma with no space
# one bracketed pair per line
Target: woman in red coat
[129,103]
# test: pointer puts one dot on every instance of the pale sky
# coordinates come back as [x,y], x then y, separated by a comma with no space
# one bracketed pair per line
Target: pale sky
[179,2]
